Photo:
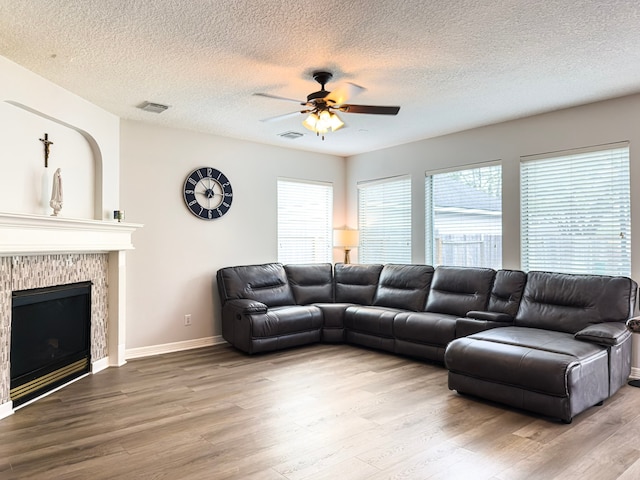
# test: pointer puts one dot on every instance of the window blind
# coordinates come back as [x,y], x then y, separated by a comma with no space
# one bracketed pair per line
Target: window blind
[575,212]
[305,219]
[384,221]
[463,221]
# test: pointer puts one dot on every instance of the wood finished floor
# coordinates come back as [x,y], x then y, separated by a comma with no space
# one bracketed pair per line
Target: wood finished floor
[320,412]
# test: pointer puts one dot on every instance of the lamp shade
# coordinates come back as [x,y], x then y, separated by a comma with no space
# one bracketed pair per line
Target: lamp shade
[346,238]
[311,121]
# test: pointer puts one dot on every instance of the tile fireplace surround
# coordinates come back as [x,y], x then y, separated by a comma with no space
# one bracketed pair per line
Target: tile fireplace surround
[38,251]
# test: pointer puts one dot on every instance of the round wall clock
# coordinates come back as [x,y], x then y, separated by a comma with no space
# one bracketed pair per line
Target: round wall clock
[207,193]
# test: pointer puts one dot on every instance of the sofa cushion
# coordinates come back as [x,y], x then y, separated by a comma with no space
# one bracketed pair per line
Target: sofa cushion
[425,327]
[265,283]
[506,292]
[356,283]
[333,314]
[528,358]
[286,320]
[403,286]
[312,283]
[569,303]
[457,290]
[371,320]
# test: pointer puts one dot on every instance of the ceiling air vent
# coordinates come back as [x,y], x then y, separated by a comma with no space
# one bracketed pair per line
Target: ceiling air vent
[152,107]
[291,135]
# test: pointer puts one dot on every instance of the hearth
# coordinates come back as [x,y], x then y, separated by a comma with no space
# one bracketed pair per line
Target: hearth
[50,331]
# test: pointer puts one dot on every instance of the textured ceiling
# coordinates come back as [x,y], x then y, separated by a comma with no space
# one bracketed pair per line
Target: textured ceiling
[450,65]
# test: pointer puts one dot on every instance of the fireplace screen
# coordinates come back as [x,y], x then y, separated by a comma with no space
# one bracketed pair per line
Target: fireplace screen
[49,338]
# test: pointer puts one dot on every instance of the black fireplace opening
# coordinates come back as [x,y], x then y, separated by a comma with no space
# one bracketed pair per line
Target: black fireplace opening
[50,332]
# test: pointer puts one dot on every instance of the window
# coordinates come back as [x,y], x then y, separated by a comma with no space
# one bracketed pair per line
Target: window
[305,219]
[384,221]
[576,212]
[464,217]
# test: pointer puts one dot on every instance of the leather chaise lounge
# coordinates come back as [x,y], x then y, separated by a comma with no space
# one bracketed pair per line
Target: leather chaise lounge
[554,344]
[567,349]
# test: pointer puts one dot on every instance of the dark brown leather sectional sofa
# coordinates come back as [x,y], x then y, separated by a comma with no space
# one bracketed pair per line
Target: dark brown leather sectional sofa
[551,343]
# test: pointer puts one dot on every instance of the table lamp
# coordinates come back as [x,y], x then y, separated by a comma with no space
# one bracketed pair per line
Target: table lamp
[347,239]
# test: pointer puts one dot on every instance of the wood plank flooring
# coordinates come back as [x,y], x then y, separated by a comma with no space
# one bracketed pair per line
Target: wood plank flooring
[315,413]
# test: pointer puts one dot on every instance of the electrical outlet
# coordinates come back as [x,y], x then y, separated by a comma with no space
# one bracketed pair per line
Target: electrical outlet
[187,320]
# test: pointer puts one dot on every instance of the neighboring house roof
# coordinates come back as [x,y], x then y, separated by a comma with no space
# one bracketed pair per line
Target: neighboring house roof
[453,193]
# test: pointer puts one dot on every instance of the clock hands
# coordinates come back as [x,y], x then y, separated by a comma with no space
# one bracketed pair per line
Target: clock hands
[209,191]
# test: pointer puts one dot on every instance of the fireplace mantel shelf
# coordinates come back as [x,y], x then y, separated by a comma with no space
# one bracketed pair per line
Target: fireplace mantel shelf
[25,234]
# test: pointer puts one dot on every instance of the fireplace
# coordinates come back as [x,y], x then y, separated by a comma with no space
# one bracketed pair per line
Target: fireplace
[38,251]
[50,338]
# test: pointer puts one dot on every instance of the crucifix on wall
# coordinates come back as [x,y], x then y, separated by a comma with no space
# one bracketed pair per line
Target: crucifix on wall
[46,143]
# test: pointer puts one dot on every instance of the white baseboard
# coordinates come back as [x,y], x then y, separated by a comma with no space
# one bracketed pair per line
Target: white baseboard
[99,365]
[6,409]
[173,347]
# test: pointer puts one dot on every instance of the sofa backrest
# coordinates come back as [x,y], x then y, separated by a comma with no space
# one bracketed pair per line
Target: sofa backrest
[356,283]
[311,283]
[265,283]
[458,290]
[508,287]
[403,286]
[569,303]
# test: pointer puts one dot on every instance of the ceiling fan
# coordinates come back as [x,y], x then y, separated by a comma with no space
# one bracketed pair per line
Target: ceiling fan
[322,105]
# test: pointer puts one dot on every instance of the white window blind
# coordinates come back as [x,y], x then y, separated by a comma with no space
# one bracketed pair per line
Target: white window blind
[576,214]
[305,219]
[384,221]
[464,217]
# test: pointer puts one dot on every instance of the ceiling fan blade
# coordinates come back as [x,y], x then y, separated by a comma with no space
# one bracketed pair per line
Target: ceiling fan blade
[344,92]
[370,109]
[282,117]
[268,95]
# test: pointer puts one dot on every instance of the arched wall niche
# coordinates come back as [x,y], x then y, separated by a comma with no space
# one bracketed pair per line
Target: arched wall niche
[25,183]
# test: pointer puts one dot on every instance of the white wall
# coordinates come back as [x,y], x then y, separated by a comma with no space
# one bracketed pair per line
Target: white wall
[25,183]
[172,270]
[594,124]
[86,147]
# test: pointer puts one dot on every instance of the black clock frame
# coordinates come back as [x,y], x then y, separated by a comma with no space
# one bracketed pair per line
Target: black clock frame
[209,178]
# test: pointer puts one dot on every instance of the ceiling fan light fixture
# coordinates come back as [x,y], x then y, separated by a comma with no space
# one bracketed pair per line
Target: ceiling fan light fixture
[322,122]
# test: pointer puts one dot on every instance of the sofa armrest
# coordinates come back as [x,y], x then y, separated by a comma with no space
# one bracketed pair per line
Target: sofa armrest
[490,316]
[469,326]
[244,306]
[237,319]
[606,334]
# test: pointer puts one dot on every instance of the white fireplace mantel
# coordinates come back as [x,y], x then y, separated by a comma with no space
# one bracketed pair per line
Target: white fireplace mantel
[25,234]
